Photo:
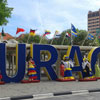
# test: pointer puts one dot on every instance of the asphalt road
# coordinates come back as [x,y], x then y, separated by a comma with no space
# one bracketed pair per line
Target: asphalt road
[87,96]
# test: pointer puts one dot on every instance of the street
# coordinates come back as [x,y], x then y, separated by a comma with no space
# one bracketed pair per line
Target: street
[44,87]
[87,96]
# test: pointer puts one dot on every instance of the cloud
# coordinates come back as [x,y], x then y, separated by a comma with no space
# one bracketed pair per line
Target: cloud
[50,14]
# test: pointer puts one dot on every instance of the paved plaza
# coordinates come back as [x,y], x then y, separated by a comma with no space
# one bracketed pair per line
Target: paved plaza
[19,89]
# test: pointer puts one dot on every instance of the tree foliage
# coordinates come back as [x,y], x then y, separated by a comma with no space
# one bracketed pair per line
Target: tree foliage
[5,12]
[80,40]
[32,39]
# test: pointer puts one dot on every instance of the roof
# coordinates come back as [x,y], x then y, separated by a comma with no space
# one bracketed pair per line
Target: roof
[21,36]
[7,37]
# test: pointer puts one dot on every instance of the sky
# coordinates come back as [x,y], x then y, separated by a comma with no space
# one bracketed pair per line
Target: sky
[49,15]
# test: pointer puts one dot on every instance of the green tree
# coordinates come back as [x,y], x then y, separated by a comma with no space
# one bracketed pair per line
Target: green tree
[32,39]
[44,40]
[23,39]
[81,37]
[5,12]
[62,38]
[80,40]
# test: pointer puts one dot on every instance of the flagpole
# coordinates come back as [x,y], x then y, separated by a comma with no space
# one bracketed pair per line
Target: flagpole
[2,34]
[16,34]
[52,39]
[41,39]
[71,36]
[63,39]
[1,37]
[84,40]
[56,32]
[28,39]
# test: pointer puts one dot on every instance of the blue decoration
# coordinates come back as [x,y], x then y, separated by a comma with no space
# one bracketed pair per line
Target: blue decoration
[75,50]
[93,54]
[47,64]
[21,63]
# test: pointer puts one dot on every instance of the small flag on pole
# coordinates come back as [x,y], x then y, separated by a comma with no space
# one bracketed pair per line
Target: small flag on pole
[56,32]
[46,32]
[73,30]
[32,32]
[57,36]
[90,36]
[19,30]
[68,34]
[2,33]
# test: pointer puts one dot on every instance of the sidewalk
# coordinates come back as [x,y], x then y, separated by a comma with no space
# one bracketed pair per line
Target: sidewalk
[19,89]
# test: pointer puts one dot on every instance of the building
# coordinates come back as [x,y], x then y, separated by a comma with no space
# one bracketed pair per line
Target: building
[7,36]
[93,21]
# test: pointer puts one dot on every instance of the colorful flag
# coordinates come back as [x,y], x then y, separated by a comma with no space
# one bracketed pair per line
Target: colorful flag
[2,33]
[56,32]
[73,30]
[57,36]
[32,32]
[46,32]
[68,34]
[19,30]
[90,36]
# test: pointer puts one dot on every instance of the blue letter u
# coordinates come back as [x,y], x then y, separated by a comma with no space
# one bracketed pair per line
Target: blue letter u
[20,64]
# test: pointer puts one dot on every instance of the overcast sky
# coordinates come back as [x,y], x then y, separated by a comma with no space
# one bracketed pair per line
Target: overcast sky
[49,14]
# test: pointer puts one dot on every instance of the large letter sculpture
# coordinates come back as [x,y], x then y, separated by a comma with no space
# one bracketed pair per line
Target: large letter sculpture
[35,53]
[92,56]
[74,53]
[20,52]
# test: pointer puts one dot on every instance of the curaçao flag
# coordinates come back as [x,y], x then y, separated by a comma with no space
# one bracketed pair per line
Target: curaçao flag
[46,32]
[73,30]
[90,36]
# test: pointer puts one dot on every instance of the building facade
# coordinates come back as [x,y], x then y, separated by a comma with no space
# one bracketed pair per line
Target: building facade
[93,21]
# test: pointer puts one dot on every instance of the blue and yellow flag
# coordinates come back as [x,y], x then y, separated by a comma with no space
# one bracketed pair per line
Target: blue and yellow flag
[73,30]
[90,36]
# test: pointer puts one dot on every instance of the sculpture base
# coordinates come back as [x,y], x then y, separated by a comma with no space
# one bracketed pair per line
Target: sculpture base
[87,79]
[97,77]
[65,80]
[2,82]
[28,81]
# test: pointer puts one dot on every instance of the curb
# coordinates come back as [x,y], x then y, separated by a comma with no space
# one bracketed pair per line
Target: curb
[48,95]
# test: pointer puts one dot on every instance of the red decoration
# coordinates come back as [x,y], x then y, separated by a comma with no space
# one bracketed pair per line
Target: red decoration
[19,30]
